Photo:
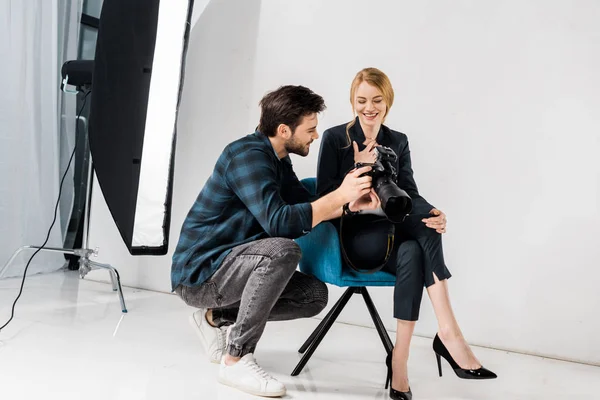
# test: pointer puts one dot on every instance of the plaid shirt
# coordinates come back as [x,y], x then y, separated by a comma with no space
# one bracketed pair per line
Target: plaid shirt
[251,195]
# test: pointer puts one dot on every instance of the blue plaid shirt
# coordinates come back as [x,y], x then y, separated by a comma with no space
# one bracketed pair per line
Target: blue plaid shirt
[251,195]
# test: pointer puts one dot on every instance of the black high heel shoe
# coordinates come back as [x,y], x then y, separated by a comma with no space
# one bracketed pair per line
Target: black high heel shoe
[395,394]
[441,351]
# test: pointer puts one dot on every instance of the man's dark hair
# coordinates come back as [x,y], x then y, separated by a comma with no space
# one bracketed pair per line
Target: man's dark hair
[287,105]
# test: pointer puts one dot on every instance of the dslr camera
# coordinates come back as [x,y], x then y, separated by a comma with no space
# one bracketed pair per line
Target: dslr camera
[395,202]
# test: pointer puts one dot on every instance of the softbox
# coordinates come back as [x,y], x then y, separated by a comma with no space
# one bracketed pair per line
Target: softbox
[136,88]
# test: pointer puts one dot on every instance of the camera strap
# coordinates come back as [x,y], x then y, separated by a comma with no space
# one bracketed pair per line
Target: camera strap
[388,253]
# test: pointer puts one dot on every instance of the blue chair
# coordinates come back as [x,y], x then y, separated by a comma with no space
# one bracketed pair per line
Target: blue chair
[322,258]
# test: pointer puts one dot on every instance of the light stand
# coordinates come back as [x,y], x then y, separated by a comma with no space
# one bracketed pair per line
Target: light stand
[84,253]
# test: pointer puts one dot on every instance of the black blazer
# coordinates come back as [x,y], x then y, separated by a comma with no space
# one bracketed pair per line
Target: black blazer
[336,158]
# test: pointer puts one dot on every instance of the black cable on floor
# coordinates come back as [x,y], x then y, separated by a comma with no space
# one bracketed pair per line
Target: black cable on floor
[12,314]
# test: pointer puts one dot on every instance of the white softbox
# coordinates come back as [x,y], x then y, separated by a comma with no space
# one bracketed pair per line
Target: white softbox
[138,77]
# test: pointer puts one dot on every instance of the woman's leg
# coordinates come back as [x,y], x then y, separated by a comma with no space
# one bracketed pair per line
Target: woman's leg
[407,264]
[436,276]
[448,329]
[404,332]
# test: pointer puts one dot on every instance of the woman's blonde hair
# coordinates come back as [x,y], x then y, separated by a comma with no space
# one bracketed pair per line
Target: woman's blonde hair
[374,77]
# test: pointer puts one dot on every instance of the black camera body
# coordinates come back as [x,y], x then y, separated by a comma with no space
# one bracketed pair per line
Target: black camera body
[395,202]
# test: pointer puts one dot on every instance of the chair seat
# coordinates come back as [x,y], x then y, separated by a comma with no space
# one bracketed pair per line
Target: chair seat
[380,278]
[322,257]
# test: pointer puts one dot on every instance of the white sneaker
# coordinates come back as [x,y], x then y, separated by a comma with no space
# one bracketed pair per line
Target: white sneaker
[212,338]
[247,376]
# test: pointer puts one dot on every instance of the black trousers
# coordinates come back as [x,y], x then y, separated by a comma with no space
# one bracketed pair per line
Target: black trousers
[417,255]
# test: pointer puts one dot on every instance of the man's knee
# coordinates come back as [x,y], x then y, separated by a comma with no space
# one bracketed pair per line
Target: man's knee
[278,247]
[289,246]
[280,255]
[286,250]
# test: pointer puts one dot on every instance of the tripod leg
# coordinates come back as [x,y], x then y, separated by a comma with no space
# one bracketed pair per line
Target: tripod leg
[117,278]
[15,254]
[113,281]
[45,249]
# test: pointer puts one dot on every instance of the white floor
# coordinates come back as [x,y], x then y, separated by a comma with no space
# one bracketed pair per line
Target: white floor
[69,340]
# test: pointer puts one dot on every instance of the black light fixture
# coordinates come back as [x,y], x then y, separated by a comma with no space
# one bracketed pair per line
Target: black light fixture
[77,73]
[135,82]
[138,76]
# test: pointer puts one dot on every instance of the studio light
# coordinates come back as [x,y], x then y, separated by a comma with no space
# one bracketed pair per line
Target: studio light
[138,76]
[135,83]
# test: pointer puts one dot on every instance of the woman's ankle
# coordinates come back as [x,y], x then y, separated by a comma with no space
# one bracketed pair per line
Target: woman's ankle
[450,332]
[400,356]
[400,378]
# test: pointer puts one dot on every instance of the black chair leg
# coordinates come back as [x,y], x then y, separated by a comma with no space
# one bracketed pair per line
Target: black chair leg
[327,322]
[383,335]
[323,322]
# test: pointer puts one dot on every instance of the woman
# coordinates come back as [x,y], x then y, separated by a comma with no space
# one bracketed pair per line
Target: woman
[417,259]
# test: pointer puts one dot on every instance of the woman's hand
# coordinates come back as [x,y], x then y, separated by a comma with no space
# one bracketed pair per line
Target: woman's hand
[369,201]
[367,156]
[437,222]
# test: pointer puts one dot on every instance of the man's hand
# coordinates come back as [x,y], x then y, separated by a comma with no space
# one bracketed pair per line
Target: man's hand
[367,156]
[355,186]
[437,222]
[369,201]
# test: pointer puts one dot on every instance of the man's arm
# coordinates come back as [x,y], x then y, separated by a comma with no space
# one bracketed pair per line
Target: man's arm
[327,207]
[366,202]
[253,178]
[352,188]
[299,194]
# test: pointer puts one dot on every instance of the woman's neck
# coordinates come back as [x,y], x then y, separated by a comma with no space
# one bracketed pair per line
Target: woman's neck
[370,131]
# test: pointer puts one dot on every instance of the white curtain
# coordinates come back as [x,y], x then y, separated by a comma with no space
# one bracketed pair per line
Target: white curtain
[36,127]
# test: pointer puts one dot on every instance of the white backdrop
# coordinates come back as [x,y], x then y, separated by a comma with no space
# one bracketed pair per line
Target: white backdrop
[500,102]
[37,127]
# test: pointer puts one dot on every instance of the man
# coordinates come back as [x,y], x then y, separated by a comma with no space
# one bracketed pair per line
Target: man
[236,260]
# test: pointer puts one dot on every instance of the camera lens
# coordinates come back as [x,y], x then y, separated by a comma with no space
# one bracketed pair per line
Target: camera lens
[395,202]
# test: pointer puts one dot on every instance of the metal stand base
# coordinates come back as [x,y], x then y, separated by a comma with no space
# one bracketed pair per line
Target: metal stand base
[85,266]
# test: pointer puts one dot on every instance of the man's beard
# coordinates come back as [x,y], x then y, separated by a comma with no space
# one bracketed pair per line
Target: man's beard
[293,147]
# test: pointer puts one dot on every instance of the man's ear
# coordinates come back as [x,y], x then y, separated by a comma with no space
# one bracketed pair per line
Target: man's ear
[284,131]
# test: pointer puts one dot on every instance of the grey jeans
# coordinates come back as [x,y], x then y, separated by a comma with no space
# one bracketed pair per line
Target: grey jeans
[257,282]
